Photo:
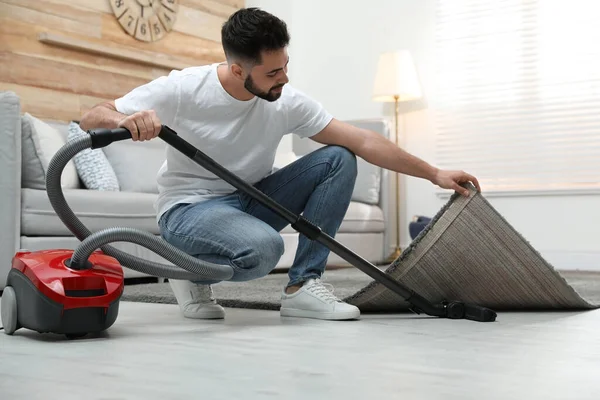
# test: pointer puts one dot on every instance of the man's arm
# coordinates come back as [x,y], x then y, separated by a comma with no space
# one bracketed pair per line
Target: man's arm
[143,125]
[382,152]
[103,115]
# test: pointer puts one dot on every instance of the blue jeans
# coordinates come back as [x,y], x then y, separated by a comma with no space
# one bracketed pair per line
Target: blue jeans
[237,230]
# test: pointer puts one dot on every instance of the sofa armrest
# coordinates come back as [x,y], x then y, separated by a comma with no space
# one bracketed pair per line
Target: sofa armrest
[10,180]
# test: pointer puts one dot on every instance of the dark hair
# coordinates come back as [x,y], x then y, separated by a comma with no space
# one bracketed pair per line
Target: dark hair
[249,31]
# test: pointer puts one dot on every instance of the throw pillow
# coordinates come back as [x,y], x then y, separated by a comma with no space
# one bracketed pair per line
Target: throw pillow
[92,165]
[40,142]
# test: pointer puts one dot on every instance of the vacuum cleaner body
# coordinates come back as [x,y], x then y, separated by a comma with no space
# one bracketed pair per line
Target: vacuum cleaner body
[50,297]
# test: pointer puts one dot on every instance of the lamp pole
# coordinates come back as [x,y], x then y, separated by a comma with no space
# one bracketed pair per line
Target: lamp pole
[397,251]
[396,80]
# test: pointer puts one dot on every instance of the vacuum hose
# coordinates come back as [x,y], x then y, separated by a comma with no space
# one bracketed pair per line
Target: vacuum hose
[185,266]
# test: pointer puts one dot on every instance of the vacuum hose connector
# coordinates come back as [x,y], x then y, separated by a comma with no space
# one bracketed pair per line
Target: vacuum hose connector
[185,266]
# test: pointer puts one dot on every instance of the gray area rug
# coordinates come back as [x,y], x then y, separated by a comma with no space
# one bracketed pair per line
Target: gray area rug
[468,252]
[262,293]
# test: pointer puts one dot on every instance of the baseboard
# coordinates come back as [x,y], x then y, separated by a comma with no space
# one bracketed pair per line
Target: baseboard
[573,260]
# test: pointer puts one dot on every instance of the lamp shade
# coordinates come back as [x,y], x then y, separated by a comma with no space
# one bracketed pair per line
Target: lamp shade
[396,76]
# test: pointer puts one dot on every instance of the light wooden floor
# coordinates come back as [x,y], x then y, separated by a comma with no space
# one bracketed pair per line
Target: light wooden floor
[153,353]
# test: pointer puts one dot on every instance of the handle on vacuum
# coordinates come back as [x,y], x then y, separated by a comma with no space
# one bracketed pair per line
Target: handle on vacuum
[103,137]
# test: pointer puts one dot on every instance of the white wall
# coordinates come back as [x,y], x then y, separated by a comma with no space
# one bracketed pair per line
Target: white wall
[333,57]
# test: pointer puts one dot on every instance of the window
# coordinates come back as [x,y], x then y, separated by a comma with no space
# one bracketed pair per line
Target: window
[517,99]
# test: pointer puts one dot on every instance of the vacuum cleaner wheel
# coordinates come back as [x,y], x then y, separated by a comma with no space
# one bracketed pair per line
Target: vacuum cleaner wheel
[9,310]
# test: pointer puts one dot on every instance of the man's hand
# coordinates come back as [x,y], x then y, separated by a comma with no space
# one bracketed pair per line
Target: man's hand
[143,125]
[452,180]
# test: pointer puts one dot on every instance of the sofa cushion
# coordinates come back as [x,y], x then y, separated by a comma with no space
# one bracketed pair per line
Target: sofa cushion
[96,209]
[99,210]
[360,218]
[61,127]
[136,164]
[40,142]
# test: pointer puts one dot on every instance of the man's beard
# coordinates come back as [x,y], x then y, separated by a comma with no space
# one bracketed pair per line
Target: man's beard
[269,96]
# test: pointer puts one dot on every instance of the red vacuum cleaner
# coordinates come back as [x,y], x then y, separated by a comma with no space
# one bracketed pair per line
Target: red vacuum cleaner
[45,295]
[77,292]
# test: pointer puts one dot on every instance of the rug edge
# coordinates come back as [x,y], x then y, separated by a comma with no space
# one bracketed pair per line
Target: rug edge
[413,244]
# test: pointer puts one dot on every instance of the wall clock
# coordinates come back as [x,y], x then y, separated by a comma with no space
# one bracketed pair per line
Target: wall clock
[146,20]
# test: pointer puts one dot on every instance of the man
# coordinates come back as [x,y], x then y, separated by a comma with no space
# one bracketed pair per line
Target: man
[237,112]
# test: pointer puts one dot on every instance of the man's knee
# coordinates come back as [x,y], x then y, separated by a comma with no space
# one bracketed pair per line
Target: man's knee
[263,251]
[271,248]
[342,158]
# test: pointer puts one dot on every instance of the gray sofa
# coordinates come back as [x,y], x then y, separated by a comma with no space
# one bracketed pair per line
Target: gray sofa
[29,222]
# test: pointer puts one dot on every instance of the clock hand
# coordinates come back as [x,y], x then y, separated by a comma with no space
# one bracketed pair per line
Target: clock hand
[142,7]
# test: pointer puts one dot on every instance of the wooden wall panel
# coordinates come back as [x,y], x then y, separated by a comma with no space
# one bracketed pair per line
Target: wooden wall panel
[232,3]
[219,9]
[193,21]
[100,6]
[35,17]
[64,76]
[23,45]
[51,8]
[175,44]
[64,56]
[51,104]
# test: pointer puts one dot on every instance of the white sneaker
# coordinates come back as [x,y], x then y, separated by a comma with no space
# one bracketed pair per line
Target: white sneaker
[315,300]
[196,301]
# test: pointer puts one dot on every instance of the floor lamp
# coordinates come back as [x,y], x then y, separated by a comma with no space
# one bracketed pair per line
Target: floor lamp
[396,81]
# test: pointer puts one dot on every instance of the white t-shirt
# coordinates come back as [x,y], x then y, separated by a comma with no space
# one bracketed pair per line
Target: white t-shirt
[242,136]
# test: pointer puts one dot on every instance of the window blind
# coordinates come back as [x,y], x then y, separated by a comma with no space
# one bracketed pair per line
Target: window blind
[517,95]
